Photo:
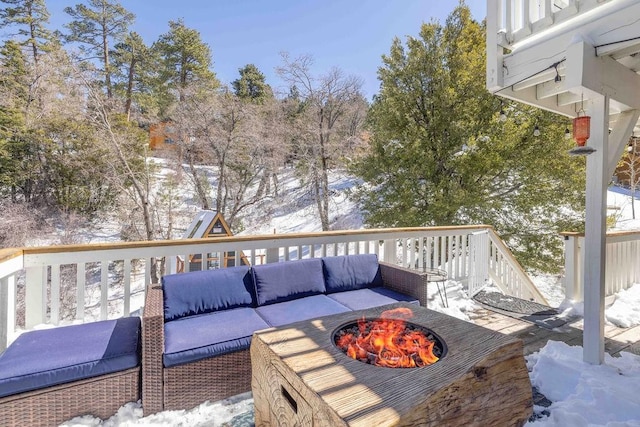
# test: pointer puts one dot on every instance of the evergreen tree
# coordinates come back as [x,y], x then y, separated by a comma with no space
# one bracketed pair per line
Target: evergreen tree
[14,148]
[186,60]
[134,62]
[251,85]
[95,26]
[440,156]
[30,17]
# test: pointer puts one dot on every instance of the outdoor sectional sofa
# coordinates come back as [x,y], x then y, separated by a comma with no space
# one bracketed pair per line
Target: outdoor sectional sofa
[197,326]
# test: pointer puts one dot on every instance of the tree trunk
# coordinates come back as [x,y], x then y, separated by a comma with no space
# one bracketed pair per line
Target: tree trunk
[105,58]
[633,186]
[200,191]
[127,105]
[32,33]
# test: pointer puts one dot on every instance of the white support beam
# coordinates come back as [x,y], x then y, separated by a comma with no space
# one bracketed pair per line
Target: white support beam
[529,96]
[542,77]
[604,76]
[619,138]
[631,62]
[550,88]
[619,50]
[495,75]
[568,98]
[595,234]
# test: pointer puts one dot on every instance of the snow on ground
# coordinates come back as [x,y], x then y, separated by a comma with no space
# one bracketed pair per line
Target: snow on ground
[584,394]
[293,210]
[625,310]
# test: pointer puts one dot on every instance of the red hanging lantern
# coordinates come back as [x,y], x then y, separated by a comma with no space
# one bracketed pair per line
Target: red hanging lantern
[581,129]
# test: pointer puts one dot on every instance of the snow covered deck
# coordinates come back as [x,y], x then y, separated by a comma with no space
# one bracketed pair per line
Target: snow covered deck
[535,337]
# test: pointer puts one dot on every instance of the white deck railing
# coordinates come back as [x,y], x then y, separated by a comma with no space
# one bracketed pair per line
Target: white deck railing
[622,265]
[518,19]
[78,283]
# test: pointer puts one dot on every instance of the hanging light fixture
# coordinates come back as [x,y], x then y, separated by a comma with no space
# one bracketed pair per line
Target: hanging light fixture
[503,115]
[581,132]
[567,133]
[536,131]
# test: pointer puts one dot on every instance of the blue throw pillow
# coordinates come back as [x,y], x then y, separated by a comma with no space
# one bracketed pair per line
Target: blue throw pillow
[351,272]
[199,292]
[285,281]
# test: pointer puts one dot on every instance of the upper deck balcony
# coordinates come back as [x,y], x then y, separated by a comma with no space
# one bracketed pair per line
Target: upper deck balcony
[560,55]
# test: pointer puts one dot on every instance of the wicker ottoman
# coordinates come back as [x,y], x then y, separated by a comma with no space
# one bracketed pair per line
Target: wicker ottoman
[52,375]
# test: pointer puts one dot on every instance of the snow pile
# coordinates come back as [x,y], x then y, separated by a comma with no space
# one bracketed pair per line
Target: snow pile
[625,310]
[206,414]
[457,299]
[623,313]
[584,394]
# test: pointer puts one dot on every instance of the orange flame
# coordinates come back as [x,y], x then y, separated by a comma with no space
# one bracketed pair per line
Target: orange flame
[389,342]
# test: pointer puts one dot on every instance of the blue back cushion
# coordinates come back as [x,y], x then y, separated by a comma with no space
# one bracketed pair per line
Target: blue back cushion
[351,272]
[284,281]
[199,292]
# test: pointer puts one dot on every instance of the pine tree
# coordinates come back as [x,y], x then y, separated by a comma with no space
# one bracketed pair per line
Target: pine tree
[133,60]
[440,155]
[95,26]
[252,85]
[30,17]
[14,149]
[186,60]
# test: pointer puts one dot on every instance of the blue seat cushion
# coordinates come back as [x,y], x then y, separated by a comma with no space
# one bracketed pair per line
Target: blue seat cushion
[351,272]
[200,292]
[198,337]
[300,309]
[367,298]
[44,358]
[285,281]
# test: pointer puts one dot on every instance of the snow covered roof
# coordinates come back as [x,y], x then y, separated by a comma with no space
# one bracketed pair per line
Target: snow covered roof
[207,224]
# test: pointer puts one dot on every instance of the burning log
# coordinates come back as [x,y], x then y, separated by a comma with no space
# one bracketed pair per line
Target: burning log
[390,341]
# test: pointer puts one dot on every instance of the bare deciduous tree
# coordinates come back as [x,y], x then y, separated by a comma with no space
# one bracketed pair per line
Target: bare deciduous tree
[324,124]
[237,138]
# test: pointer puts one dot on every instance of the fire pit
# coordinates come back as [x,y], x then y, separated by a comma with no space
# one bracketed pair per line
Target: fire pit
[301,377]
[390,342]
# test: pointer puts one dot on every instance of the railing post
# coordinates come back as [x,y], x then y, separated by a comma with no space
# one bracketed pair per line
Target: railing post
[572,282]
[7,309]
[35,296]
[478,261]
[273,255]
[390,254]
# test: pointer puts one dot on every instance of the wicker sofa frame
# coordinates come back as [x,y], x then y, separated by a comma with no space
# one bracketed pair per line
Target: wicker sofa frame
[186,386]
[99,396]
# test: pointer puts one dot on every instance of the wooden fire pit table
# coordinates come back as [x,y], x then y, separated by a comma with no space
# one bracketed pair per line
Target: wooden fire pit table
[299,377]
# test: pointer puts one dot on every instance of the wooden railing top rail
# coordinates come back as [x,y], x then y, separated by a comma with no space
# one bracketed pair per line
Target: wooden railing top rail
[9,253]
[234,239]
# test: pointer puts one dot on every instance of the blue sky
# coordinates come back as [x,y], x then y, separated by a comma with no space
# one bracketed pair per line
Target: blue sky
[348,34]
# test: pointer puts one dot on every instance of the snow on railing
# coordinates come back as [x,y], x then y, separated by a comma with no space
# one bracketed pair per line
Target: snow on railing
[622,266]
[78,283]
